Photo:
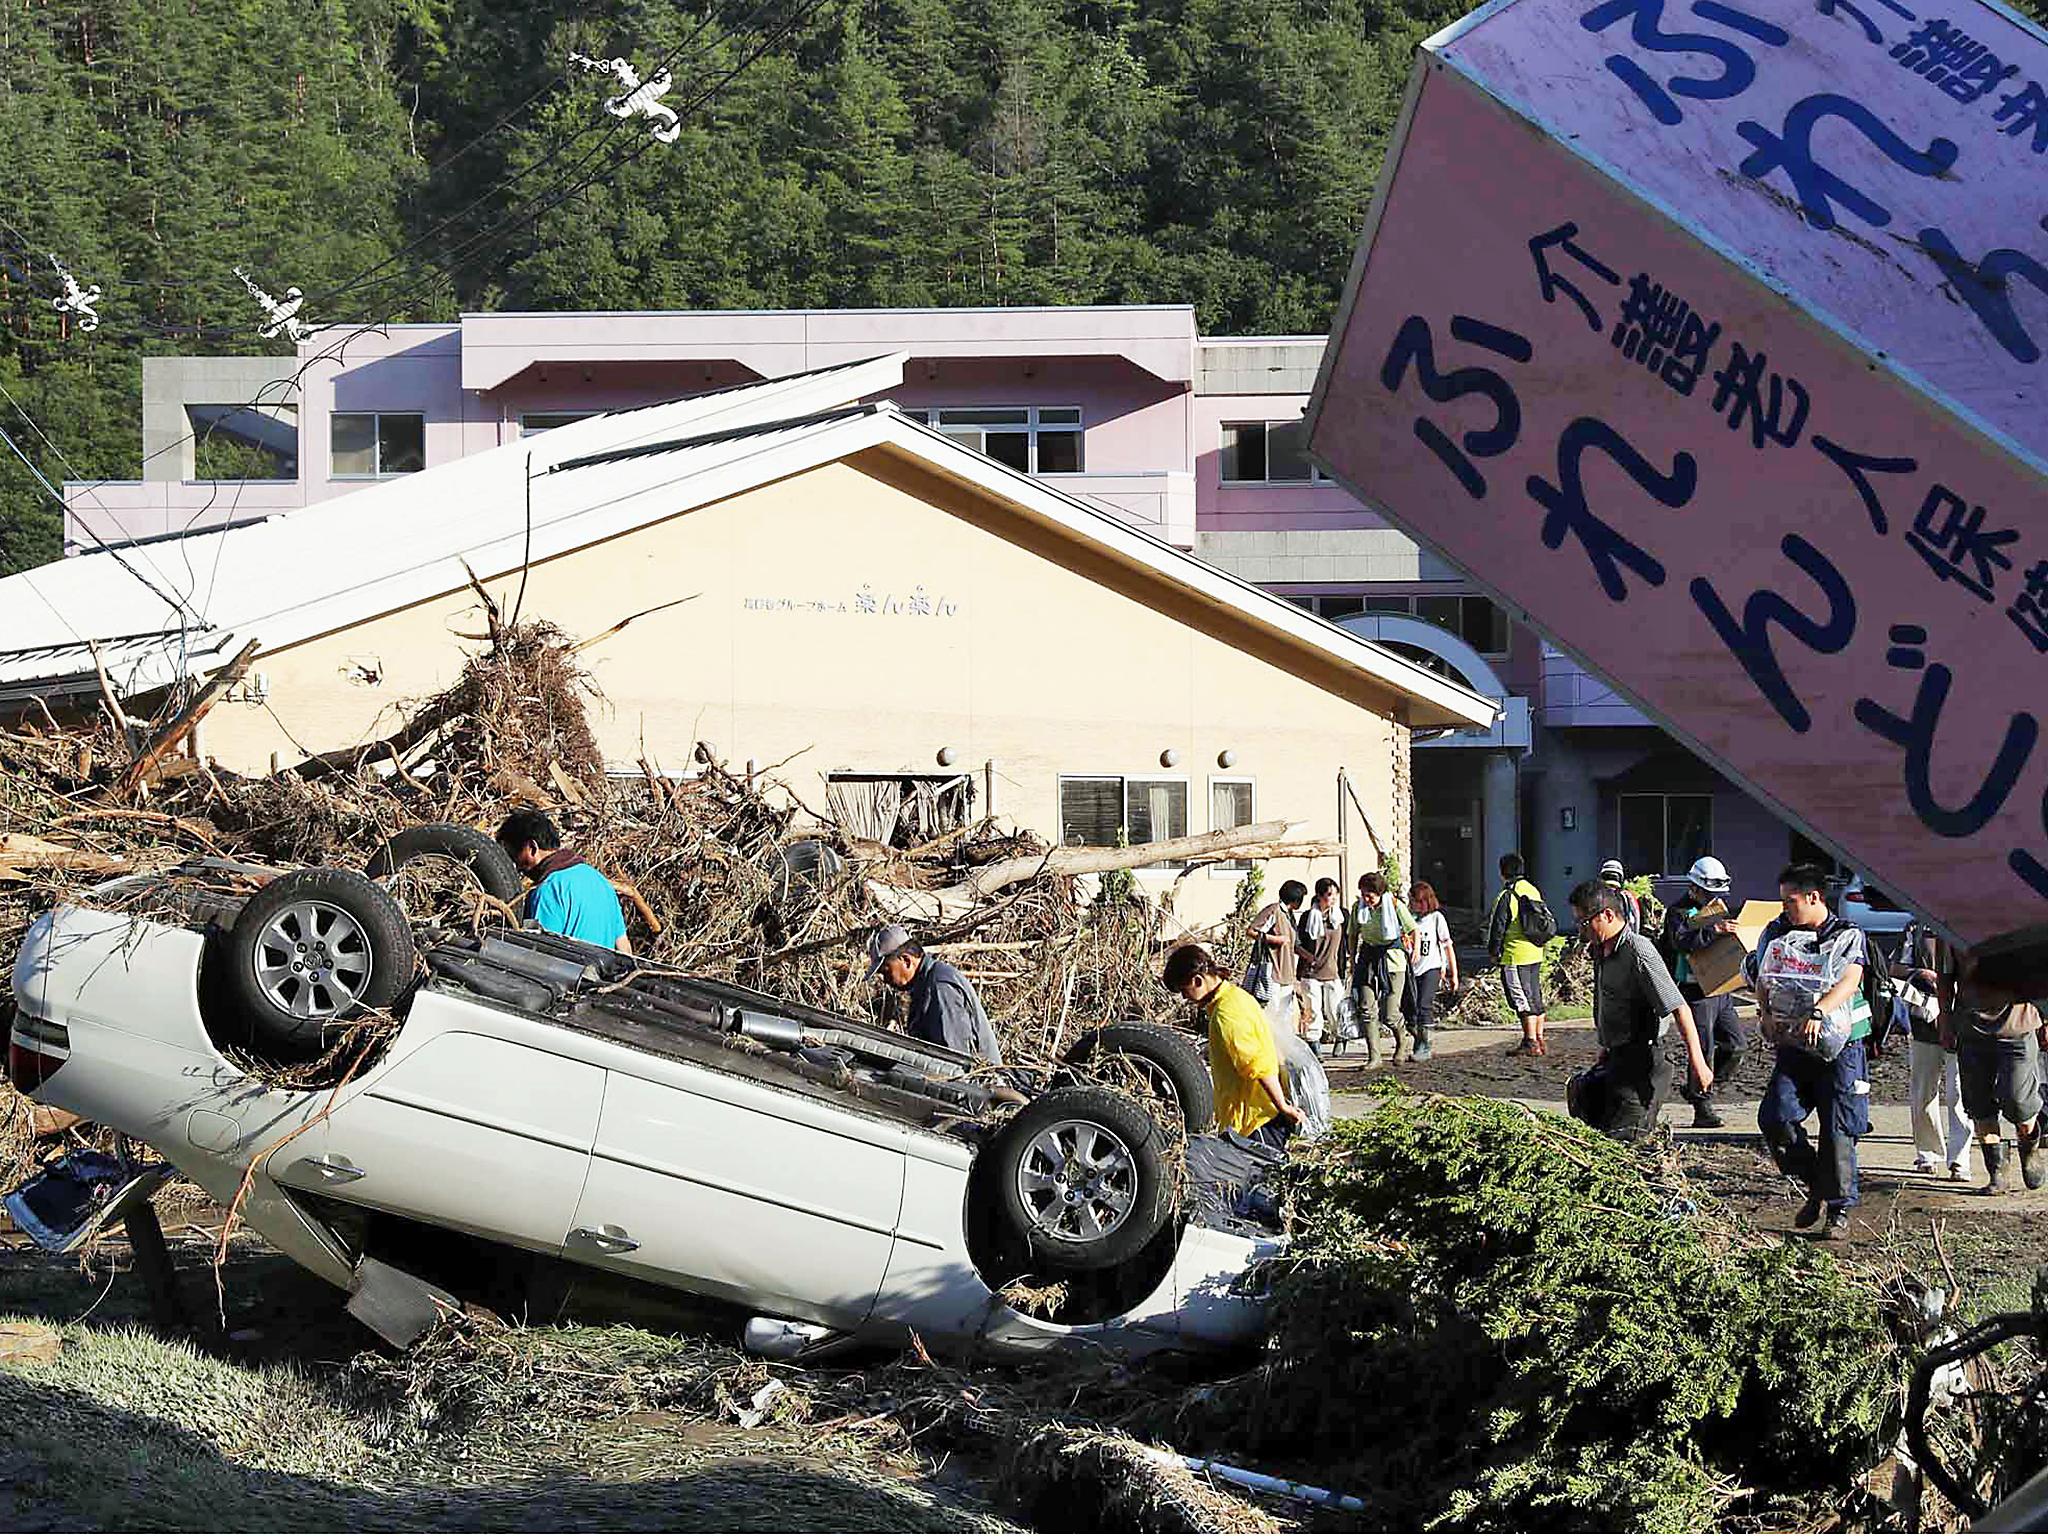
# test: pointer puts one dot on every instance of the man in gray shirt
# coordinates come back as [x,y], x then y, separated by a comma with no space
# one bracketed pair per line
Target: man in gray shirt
[944,1007]
[1634,999]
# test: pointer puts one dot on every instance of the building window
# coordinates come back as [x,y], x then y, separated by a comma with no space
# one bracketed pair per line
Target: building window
[1268,453]
[533,423]
[899,810]
[1478,621]
[1038,439]
[1230,807]
[1664,834]
[1098,811]
[370,445]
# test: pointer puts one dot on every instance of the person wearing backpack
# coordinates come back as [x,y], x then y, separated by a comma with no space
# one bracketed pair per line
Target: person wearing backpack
[1515,935]
[1807,972]
[1723,1032]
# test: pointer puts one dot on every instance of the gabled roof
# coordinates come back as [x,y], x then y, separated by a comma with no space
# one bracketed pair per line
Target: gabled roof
[183,607]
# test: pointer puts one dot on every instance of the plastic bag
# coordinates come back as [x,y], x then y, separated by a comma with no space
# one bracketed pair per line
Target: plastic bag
[1347,1019]
[1307,1085]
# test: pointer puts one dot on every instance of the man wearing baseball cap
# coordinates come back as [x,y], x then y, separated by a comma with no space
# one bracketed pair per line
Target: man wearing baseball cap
[1723,1034]
[944,1008]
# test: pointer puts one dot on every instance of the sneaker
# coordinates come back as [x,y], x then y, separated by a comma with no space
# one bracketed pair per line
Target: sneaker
[1706,1118]
[1810,1212]
[1926,1164]
[1836,1229]
[1959,1173]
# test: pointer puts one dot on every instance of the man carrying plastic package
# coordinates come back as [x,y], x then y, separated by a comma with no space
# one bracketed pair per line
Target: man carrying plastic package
[1807,971]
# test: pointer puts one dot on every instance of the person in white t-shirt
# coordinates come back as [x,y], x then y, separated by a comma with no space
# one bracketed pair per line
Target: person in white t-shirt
[1434,962]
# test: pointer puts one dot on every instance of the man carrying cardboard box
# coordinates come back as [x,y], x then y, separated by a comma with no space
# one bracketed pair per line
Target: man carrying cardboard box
[1697,921]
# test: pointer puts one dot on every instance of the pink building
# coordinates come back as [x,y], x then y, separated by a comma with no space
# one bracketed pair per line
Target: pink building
[1196,440]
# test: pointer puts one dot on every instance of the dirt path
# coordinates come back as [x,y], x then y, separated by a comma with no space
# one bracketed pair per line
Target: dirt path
[1994,1243]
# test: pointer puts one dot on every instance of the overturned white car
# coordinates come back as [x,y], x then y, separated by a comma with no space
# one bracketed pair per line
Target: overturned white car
[615,1113]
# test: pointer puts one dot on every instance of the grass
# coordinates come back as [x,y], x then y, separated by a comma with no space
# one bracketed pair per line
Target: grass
[129,1429]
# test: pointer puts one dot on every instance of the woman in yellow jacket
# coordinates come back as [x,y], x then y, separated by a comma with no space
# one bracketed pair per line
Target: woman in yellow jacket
[1244,1060]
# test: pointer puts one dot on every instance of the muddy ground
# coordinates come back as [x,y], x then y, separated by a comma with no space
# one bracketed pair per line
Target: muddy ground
[1994,1244]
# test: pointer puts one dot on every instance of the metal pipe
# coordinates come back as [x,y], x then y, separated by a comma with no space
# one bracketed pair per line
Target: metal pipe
[1259,1481]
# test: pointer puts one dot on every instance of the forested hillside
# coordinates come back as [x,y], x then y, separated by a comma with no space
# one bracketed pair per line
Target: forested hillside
[404,159]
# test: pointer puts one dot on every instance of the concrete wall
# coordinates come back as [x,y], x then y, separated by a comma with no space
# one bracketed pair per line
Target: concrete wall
[1034,655]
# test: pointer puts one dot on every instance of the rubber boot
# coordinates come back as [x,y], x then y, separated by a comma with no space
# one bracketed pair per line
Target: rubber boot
[1369,1032]
[1704,1116]
[1998,1177]
[1423,1049]
[1400,1039]
[2033,1165]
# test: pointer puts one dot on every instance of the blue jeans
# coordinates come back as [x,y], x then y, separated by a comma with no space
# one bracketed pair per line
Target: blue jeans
[1839,1091]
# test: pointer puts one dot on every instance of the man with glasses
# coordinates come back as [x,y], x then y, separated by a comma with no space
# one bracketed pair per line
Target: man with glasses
[1634,1002]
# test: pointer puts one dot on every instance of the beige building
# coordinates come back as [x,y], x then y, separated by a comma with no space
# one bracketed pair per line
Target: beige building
[866,601]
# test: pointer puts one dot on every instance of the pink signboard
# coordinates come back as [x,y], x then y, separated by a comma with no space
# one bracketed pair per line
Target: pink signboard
[1710,337]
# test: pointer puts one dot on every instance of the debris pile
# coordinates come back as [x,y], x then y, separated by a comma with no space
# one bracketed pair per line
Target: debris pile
[488,1389]
[728,875]
[1580,1340]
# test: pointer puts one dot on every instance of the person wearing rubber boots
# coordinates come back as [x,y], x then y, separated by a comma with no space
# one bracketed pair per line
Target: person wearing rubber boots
[1724,1035]
[1998,1039]
[1377,934]
[1635,1002]
[1807,971]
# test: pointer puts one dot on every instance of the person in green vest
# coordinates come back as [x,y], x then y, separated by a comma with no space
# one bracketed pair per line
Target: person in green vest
[1520,957]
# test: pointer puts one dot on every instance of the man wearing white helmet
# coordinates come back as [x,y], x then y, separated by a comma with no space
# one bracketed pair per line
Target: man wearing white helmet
[1723,1035]
[1614,873]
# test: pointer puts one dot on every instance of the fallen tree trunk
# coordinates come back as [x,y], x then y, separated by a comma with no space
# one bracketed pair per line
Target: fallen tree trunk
[1259,840]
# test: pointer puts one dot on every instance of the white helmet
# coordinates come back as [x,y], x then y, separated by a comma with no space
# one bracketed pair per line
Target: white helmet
[1710,875]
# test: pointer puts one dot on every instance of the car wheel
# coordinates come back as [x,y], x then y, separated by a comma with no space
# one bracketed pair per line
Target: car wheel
[1082,1177]
[310,951]
[431,870]
[1170,1064]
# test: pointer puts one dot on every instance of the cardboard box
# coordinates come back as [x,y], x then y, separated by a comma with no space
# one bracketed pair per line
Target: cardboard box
[1718,967]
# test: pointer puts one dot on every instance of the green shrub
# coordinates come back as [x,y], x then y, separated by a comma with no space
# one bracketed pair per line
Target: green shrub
[1496,1319]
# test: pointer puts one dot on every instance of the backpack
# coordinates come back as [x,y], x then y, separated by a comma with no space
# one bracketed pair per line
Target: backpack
[1538,922]
[1877,992]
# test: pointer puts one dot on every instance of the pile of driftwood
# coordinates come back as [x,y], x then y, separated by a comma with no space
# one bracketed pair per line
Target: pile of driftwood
[730,875]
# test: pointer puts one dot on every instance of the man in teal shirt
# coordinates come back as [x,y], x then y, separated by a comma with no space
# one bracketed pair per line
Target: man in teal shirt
[568,896]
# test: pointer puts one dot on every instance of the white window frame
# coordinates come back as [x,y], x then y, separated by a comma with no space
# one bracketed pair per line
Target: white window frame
[1315,475]
[1665,796]
[377,438]
[1124,782]
[1032,426]
[1233,868]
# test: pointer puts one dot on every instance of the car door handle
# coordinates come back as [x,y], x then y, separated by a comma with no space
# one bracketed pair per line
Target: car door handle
[607,1237]
[333,1167]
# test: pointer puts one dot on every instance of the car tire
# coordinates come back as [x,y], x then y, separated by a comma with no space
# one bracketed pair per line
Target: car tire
[352,947]
[486,859]
[1174,1064]
[1082,1177]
